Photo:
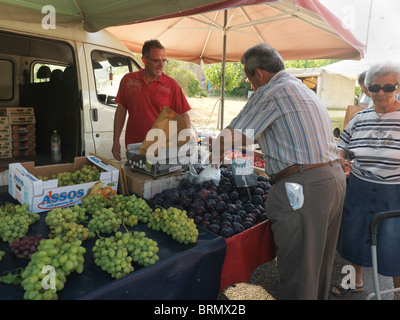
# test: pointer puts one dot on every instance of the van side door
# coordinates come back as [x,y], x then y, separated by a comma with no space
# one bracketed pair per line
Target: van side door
[105,69]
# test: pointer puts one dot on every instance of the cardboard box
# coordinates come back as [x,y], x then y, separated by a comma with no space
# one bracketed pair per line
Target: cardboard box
[122,185]
[5,128]
[22,152]
[165,162]
[42,196]
[5,144]
[21,119]
[5,136]
[23,144]
[3,120]
[146,186]
[23,136]
[16,112]
[23,128]
[6,153]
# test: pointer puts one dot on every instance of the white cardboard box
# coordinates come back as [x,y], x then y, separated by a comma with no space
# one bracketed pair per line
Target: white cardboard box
[7,111]
[42,196]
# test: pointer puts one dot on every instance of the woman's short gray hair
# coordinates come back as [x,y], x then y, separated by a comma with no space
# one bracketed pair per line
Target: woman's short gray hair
[383,69]
[264,57]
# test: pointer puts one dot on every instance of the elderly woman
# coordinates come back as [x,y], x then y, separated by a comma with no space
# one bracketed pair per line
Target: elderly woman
[372,140]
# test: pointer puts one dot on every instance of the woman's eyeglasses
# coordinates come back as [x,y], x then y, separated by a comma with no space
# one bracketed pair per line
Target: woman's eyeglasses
[385,88]
[157,60]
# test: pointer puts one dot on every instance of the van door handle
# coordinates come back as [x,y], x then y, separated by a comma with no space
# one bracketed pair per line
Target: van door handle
[95,116]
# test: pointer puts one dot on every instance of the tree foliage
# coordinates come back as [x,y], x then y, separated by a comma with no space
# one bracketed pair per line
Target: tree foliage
[317,63]
[234,74]
[190,76]
[184,74]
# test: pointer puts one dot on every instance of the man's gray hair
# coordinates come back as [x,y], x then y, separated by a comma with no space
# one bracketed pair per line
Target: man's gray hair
[383,69]
[264,57]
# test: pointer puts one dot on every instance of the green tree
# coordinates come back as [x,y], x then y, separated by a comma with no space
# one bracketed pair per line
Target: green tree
[183,73]
[233,74]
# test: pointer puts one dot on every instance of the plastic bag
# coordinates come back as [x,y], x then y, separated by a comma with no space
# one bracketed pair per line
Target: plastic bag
[210,172]
[295,194]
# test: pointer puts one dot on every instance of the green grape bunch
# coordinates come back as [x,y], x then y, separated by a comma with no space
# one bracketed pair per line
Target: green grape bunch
[142,249]
[131,204]
[129,209]
[70,231]
[93,203]
[104,221]
[15,221]
[115,254]
[174,222]
[87,173]
[57,216]
[61,257]
[111,255]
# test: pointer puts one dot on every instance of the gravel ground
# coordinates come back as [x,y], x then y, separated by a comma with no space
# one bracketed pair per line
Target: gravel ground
[264,283]
[204,113]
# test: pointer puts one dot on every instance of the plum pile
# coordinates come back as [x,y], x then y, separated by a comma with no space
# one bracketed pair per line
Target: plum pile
[224,209]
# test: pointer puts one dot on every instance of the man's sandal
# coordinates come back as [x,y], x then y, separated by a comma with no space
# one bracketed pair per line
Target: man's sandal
[342,292]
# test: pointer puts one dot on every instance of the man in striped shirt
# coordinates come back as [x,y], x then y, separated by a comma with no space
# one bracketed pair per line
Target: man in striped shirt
[292,127]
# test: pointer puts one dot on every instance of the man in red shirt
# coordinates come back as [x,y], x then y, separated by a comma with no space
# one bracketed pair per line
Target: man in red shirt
[142,94]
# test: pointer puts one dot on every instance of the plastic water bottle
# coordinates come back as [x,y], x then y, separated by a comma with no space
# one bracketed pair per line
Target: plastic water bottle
[55,142]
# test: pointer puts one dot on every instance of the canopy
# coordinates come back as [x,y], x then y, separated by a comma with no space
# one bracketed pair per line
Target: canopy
[354,68]
[99,14]
[298,29]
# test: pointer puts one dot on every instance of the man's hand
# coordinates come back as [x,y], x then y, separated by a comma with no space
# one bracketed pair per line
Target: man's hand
[116,151]
[342,162]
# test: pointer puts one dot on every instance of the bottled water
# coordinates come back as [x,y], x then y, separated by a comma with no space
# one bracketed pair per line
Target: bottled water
[55,143]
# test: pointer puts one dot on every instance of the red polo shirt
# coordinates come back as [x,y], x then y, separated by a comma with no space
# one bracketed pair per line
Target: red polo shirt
[144,102]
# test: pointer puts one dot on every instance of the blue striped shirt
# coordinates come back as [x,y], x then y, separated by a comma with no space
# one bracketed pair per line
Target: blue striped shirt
[374,145]
[289,122]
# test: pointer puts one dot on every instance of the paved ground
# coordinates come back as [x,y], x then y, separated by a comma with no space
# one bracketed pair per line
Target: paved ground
[264,284]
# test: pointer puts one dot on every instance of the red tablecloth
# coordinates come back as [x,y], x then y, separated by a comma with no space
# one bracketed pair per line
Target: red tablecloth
[245,252]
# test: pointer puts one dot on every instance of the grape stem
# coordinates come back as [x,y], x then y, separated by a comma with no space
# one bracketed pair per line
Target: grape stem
[97,232]
[126,229]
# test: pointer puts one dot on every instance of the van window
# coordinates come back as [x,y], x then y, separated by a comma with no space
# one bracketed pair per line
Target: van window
[6,80]
[42,71]
[109,68]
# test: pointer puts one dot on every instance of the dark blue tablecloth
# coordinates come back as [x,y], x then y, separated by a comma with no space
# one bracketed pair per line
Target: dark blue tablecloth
[185,272]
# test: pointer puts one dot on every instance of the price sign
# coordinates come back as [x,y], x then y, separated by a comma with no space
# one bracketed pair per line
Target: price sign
[243,172]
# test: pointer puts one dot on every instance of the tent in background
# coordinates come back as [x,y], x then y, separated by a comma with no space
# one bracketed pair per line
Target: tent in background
[352,68]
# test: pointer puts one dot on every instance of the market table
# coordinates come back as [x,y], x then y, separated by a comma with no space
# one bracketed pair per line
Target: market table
[190,271]
[245,252]
[194,271]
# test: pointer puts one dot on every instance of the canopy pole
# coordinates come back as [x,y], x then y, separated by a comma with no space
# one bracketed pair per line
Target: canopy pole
[221,117]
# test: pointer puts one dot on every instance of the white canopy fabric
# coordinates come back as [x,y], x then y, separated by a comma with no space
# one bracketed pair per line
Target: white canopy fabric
[297,29]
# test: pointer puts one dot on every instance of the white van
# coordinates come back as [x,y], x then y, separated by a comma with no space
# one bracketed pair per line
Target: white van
[70,78]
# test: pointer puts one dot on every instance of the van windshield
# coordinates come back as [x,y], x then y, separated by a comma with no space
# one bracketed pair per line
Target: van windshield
[109,68]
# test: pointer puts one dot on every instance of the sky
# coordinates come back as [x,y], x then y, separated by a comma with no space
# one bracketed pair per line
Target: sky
[375,23]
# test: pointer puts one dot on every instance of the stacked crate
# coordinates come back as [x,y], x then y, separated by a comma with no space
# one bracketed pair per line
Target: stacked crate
[17,132]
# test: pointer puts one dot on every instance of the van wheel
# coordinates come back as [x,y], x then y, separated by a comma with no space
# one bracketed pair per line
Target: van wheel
[336,133]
